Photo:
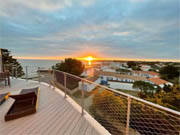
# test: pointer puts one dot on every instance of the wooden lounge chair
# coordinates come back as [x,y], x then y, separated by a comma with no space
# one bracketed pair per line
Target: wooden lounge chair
[26,103]
[4,97]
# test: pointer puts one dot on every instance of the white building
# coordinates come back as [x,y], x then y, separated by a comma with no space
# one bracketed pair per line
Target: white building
[159,82]
[110,76]
[109,70]
[148,74]
[89,86]
[145,67]
[88,72]
[123,86]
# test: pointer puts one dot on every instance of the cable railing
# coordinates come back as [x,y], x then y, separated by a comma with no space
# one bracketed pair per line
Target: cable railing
[117,112]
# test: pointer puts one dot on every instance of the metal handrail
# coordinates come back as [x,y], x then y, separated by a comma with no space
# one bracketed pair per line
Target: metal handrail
[124,94]
[129,99]
[109,89]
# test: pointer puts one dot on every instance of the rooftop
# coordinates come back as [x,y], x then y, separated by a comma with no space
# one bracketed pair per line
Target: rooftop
[55,114]
[158,81]
[147,72]
[136,78]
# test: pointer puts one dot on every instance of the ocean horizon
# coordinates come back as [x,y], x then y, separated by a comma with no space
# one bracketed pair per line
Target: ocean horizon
[33,65]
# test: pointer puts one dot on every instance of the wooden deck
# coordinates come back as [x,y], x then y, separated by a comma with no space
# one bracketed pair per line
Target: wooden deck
[55,116]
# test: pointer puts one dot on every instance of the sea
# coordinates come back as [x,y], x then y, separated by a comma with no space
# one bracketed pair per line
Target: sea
[32,65]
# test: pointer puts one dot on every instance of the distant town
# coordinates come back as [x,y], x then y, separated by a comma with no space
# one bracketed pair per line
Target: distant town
[122,75]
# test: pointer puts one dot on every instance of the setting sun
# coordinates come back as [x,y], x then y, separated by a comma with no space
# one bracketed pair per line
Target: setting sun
[89,59]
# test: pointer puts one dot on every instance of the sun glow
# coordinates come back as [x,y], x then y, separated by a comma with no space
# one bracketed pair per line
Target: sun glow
[89,59]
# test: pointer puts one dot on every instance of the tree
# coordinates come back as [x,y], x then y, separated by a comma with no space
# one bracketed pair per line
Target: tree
[169,72]
[153,70]
[170,99]
[131,64]
[71,66]
[138,68]
[9,62]
[145,87]
[167,88]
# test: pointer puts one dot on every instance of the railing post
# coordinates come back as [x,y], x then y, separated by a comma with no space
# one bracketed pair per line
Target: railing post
[128,115]
[39,74]
[65,85]
[82,92]
[26,73]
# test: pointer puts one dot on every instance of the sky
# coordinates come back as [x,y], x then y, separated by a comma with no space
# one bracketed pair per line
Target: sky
[138,29]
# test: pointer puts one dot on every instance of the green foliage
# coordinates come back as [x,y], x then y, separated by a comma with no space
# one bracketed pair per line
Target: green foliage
[145,87]
[153,70]
[136,68]
[170,98]
[169,72]
[8,62]
[78,94]
[109,104]
[110,110]
[71,66]
[167,88]
[131,64]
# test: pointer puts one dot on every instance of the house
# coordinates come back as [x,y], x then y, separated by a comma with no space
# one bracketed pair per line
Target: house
[108,70]
[147,74]
[88,72]
[110,76]
[159,82]
[88,86]
[145,67]
[117,64]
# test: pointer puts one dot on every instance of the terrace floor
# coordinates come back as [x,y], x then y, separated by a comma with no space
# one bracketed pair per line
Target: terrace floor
[55,115]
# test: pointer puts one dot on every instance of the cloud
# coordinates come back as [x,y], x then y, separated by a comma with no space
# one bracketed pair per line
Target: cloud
[116,28]
[121,33]
[42,5]
[137,0]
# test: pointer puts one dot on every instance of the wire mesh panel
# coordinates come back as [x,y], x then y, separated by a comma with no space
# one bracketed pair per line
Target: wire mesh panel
[59,79]
[72,83]
[149,120]
[117,112]
[107,107]
[73,88]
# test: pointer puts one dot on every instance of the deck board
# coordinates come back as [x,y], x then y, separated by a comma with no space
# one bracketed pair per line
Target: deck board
[55,115]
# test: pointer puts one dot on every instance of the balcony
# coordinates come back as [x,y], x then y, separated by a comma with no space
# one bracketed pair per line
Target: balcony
[55,114]
[72,105]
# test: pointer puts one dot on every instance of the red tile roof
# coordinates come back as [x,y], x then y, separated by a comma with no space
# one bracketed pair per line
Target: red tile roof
[157,81]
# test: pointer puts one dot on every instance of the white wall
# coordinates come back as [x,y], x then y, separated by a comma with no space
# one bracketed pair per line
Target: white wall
[120,85]
[89,86]
[109,70]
